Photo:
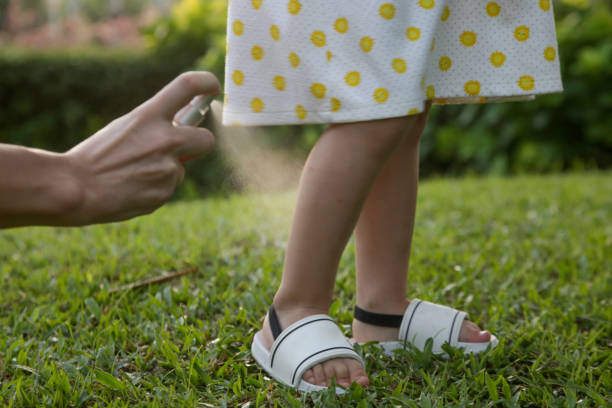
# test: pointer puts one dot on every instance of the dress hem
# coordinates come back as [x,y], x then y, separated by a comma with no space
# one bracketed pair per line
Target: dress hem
[375,112]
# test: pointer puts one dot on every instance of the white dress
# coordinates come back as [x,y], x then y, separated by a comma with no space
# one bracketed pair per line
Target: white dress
[328,61]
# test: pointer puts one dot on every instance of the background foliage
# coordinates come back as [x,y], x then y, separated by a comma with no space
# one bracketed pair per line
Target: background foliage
[53,100]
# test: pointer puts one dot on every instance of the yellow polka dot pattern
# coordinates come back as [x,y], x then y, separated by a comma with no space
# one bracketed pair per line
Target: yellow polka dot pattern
[318,38]
[399,65]
[413,33]
[294,60]
[301,112]
[319,61]
[366,44]
[352,78]
[294,7]
[275,32]
[318,90]
[387,11]
[257,52]
[238,27]
[341,25]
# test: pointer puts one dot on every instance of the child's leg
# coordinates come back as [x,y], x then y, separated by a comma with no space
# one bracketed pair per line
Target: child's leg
[383,237]
[335,182]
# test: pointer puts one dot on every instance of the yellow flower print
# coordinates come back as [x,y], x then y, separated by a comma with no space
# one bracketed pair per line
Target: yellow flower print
[521,33]
[431,92]
[366,44]
[329,55]
[445,63]
[352,78]
[413,111]
[381,95]
[275,32]
[445,14]
[318,90]
[336,104]
[294,60]
[399,65]
[238,27]
[427,4]
[550,54]
[257,52]
[497,59]
[294,7]
[468,38]
[545,5]
[301,112]
[493,9]
[387,11]
[413,33]
[279,83]
[256,4]
[341,25]
[526,82]
[257,105]
[238,77]
[472,88]
[318,38]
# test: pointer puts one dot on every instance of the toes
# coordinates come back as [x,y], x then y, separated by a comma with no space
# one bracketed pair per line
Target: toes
[358,374]
[471,333]
[330,371]
[319,375]
[344,372]
[342,375]
[309,377]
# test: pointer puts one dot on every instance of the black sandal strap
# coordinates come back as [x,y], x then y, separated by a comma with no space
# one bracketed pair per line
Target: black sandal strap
[274,323]
[378,319]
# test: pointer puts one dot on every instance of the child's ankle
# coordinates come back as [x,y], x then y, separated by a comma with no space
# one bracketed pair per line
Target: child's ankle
[383,304]
[292,304]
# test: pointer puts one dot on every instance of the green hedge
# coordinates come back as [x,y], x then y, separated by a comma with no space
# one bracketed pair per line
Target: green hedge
[53,100]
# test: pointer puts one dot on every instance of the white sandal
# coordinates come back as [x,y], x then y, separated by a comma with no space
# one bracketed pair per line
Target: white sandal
[299,347]
[421,321]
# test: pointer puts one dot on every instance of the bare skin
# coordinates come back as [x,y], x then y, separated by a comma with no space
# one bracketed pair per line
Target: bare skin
[363,177]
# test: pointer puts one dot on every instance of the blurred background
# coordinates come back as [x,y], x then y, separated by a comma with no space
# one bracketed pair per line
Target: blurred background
[68,67]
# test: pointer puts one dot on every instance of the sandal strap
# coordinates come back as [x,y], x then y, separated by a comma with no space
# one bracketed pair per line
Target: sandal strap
[275,326]
[378,319]
[306,343]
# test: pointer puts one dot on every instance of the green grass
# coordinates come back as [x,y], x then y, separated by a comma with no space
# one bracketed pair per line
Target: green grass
[529,258]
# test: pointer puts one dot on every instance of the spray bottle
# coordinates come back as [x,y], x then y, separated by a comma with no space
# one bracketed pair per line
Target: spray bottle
[194,113]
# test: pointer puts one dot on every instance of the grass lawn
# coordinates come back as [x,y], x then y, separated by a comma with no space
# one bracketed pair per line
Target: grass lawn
[529,258]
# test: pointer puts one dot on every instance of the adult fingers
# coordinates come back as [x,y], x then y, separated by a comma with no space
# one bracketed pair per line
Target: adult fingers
[183,89]
[195,142]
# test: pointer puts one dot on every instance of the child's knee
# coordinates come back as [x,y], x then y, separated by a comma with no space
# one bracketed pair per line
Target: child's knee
[387,134]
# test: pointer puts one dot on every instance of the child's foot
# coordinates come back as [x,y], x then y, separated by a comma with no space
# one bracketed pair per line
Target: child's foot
[364,332]
[344,370]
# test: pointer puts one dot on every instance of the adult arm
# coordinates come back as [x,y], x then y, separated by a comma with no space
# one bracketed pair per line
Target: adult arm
[129,168]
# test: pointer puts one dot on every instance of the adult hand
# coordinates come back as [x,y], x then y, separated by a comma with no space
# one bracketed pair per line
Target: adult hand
[130,167]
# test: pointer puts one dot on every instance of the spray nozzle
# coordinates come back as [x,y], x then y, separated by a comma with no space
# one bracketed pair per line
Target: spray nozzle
[194,113]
